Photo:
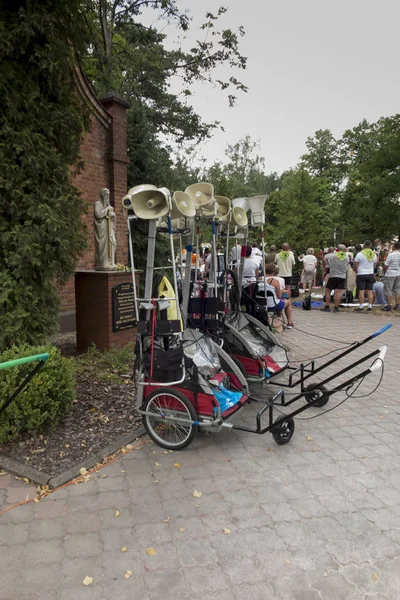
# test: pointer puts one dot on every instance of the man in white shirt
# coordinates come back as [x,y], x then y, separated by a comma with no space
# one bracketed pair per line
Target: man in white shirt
[364,266]
[236,253]
[392,278]
[285,262]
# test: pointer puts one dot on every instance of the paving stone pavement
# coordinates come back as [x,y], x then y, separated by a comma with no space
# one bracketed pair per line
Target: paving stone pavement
[318,518]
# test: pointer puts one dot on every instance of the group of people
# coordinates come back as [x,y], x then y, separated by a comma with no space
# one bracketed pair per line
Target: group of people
[337,263]
[277,288]
[364,263]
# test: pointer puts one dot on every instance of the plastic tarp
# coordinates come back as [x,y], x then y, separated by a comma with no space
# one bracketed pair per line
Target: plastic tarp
[203,354]
[226,398]
[255,344]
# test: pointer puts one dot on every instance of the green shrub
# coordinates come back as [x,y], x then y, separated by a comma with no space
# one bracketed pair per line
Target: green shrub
[45,400]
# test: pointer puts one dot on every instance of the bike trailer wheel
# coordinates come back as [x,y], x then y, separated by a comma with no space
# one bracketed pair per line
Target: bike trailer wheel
[169,418]
[283,430]
[313,392]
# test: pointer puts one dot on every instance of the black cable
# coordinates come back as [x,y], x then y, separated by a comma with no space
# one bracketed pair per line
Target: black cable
[324,338]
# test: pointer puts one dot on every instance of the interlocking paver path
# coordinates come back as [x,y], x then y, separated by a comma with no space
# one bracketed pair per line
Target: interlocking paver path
[316,519]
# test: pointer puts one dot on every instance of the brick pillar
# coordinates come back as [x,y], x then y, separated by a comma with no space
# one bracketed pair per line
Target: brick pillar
[118,168]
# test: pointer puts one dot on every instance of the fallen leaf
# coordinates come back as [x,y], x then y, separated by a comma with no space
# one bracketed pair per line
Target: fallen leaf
[124,549]
[26,480]
[130,447]
[177,465]
[88,580]
[197,505]
[165,451]
[67,445]
[151,551]
[166,520]
[117,514]
[181,529]
[103,476]
[287,561]
[197,494]
[157,464]
[226,531]
[82,471]
[127,574]
[375,577]
[325,574]
[309,438]
[155,481]
[36,500]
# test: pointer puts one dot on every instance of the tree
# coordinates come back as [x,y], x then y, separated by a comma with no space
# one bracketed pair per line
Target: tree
[301,211]
[41,124]
[133,60]
[371,196]
[243,173]
[324,158]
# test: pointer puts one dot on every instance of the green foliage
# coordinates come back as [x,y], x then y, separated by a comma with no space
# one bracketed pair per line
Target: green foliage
[243,173]
[371,197]
[300,213]
[46,399]
[41,124]
[120,360]
[139,63]
[362,172]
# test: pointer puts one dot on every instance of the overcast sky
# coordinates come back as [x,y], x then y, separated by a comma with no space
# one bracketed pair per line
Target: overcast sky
[312,64]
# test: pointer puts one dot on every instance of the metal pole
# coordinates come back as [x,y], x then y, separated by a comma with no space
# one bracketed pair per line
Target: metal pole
[171,241]
[135,295]
[186,281]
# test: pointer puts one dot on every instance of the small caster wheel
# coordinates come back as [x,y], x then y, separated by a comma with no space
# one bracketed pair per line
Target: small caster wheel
[283,430]
[316,395]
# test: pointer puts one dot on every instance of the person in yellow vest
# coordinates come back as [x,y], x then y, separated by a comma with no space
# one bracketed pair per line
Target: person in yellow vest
[285,262]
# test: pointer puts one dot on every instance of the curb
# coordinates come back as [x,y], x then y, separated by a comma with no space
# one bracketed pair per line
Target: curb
[53,481]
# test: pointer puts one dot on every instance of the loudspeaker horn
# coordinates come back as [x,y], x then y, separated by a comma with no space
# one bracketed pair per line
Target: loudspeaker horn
[257,204]
[202,195]
[239,216]
[147,201]
[182,206]
[223,208]
[241,203]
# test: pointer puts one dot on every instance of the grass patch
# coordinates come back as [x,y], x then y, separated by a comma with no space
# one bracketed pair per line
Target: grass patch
[108,365]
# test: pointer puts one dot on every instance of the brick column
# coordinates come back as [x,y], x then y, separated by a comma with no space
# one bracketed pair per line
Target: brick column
[94,310]
[118,168]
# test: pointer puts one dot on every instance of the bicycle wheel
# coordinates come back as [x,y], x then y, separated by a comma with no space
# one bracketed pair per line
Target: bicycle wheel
[169,418]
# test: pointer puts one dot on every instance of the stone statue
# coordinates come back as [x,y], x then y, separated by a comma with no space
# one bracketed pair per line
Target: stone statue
[104,232]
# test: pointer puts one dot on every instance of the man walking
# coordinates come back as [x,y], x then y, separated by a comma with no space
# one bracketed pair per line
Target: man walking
[338,263]
[364,266]
[392,278]
[285,262]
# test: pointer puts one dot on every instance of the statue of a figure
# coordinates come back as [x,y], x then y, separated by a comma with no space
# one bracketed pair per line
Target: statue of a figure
[104,232]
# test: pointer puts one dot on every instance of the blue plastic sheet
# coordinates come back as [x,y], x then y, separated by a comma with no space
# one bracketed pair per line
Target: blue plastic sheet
[313,304]
[227,398]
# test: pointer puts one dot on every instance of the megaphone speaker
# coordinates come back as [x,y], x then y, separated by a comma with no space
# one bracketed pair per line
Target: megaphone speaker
[202,194]
[147,201]
[241,203]
[182,206]
[257,204]
[239,216]
[223,207]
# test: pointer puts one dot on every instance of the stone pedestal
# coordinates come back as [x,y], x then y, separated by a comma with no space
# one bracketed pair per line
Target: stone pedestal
[94,310]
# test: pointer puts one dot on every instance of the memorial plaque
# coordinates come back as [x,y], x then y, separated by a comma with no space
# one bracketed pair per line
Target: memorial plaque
[123,307]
